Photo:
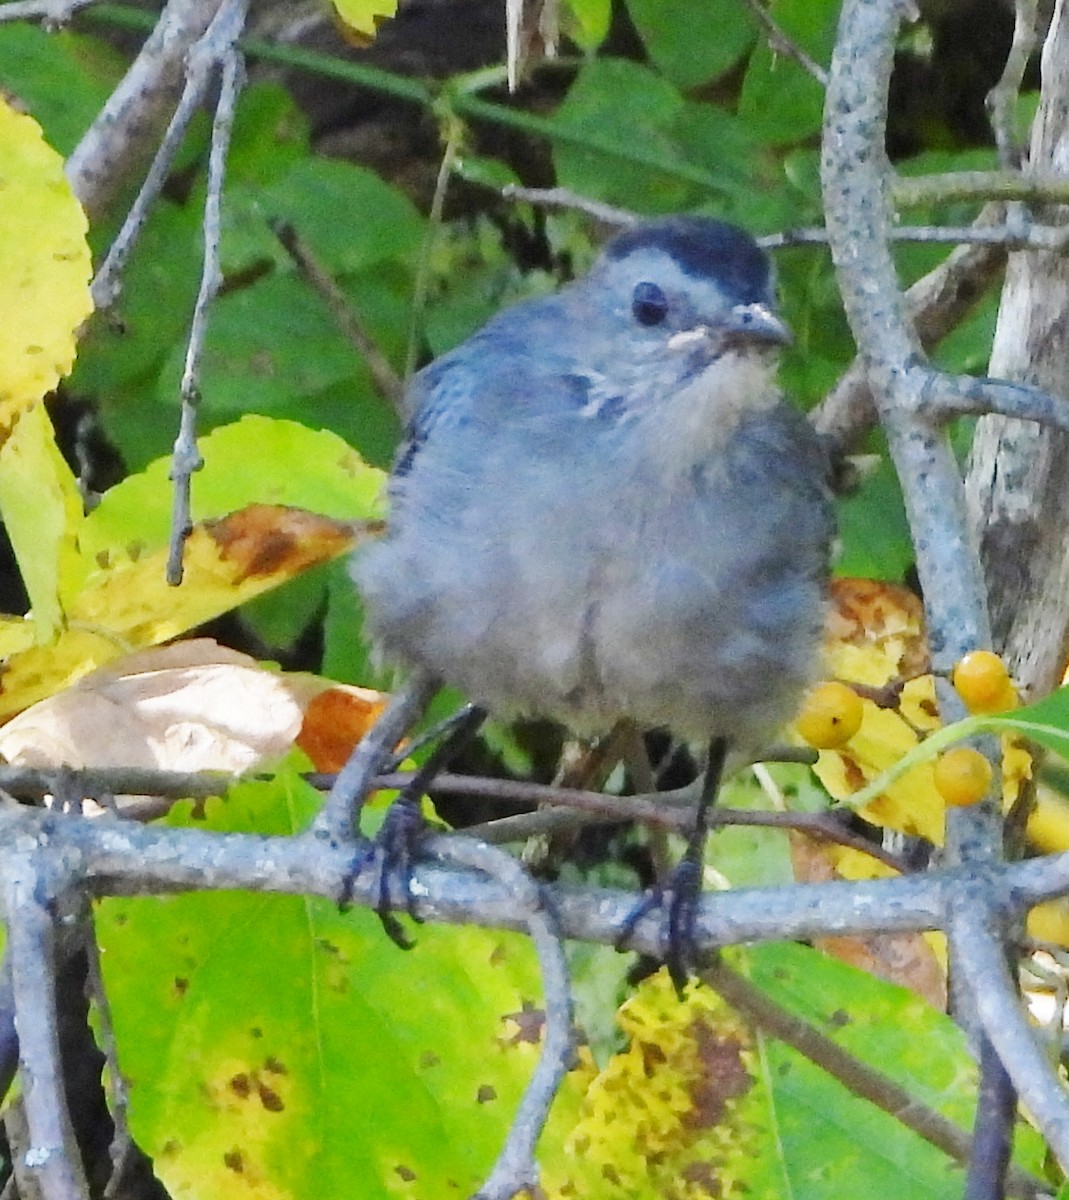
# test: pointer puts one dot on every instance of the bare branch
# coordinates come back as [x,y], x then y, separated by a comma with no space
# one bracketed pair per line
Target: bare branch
[54,13]
[1002,99]
[856,173]
[986,974]
[127,126]
[1034,187]
[218,46]
[957,395]
[337,820]
[53,1157]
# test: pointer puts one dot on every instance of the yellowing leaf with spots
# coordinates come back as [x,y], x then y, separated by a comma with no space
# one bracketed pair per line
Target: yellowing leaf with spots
[275,1046]
[98,581]
[44,284]
[699,1104]
[126,603]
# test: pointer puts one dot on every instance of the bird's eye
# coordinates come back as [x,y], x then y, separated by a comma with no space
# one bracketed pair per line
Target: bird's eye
[649,304]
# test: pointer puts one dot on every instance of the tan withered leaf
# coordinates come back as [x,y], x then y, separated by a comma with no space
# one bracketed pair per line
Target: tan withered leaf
[190,706]
[193,706]
[126,603]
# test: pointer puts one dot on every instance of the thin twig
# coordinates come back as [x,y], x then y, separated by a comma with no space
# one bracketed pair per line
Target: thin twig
[1001,101]
[780,43]
[119,1094]
[217,46]
[387,380]
[996,1115]
[106,283]
[126,129]
[1015,236]
[9,1040]
[565,198]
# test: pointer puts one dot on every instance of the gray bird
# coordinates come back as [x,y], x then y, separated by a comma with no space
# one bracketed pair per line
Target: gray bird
[604,508]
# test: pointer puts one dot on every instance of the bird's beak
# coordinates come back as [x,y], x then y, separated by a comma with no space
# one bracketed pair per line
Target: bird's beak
[758,323]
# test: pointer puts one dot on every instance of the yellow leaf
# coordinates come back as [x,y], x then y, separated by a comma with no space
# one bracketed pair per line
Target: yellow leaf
[42,511]
[360,19]
[44,285]
[875,639]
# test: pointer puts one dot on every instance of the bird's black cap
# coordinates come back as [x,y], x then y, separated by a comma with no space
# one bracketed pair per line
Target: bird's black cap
[704,248]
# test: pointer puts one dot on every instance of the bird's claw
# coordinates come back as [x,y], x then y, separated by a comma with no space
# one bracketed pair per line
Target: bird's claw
[679,903]
[393,852]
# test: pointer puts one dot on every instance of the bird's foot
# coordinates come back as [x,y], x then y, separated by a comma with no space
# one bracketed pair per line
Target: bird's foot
[392,853]
[679,904]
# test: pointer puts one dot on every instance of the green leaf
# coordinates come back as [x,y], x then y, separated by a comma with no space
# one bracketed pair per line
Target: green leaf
[780,99]
[622,103]
[121,354]
[590,22]
[271,135]
[346,655]
[273,347]
[874,530]
[693,41]
[328,1063]
[32,62]
[827,1142]
[281,616]
[346,213]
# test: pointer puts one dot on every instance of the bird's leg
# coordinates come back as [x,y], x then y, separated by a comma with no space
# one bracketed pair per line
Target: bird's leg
[443,730]
[396,846]
[680,898]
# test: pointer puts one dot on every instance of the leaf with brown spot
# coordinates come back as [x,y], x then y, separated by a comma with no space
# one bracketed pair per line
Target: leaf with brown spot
[334,721]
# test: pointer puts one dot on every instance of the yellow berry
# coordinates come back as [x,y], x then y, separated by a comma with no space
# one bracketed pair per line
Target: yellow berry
[831,715]
[962,776]
[982,681]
